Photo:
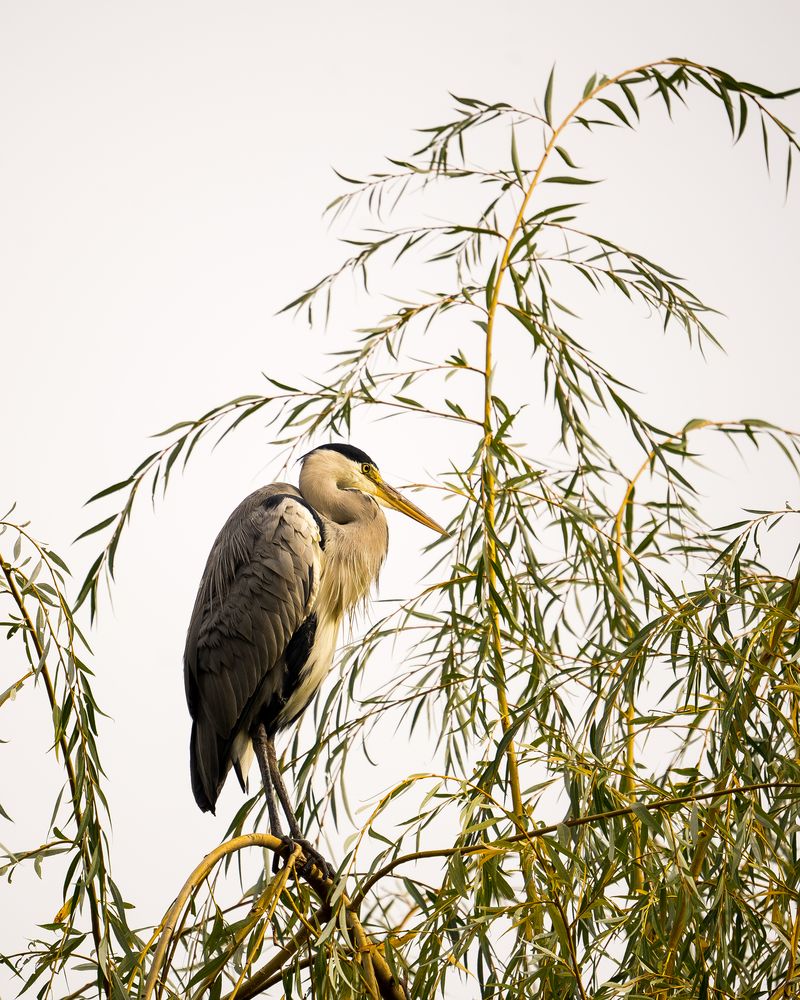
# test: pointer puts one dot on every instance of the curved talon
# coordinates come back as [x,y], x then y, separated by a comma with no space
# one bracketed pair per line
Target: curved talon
[313,859]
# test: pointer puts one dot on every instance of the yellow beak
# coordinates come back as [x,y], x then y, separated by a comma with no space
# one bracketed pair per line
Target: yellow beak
[392,498]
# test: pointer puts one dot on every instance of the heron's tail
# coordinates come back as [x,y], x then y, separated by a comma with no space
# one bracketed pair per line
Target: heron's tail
[204,764]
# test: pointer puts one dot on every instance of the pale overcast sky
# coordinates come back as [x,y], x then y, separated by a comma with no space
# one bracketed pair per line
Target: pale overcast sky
[163,173]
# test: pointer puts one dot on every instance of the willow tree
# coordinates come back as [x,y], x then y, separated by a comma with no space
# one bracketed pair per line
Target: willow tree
[609,681]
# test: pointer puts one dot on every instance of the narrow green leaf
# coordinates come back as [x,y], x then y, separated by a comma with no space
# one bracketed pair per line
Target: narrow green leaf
[742,117]
[566,157]
[628,92]
[175,427]
[97,527]
[615,109]
[110,489]
[515,159]
[548,97]
[567,179]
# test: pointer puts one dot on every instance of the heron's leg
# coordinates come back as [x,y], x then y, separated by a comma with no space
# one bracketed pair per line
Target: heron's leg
[261,744]
[312,854]
[280,788]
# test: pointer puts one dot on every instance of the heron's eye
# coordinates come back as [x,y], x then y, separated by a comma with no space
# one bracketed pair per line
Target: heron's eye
[366,468]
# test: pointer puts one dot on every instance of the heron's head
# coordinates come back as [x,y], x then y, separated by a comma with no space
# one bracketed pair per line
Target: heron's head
[344,467]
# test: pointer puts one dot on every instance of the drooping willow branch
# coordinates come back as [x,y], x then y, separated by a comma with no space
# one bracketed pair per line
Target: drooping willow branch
[81,794]
[569,824]
[329,895]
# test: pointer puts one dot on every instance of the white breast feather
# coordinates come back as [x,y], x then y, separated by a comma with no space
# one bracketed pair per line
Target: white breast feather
[314,670]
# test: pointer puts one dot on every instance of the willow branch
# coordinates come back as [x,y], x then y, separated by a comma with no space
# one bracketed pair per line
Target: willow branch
[488,473]
[389,988]
[262,981]
[703,841]
[94,909]
[571,824]
[272,972]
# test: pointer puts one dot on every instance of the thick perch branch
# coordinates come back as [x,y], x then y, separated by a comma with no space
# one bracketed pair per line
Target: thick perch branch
[375,967]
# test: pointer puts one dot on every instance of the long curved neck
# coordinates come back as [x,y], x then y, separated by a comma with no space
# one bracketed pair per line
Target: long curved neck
[340,505]
[357,538]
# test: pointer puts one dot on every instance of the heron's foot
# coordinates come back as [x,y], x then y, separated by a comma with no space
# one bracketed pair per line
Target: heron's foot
[315,859]
[279,858]
[312,857]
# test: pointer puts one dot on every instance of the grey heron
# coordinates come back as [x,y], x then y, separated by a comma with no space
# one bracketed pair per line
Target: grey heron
[286,568]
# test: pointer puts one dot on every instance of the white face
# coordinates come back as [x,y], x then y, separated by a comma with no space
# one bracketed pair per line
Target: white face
[365,478]
[331,466]
[327,468]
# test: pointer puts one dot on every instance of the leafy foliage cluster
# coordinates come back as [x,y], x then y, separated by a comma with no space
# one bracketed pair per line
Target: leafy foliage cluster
[614,682]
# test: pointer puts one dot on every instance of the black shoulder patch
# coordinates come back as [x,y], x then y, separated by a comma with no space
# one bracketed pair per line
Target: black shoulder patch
[277,498]
[297,653]
[354,454]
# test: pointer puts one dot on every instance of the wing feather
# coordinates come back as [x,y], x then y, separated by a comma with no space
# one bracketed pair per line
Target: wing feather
[258,588]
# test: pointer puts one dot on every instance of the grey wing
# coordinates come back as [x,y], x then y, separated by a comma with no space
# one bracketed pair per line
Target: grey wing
[258,587]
